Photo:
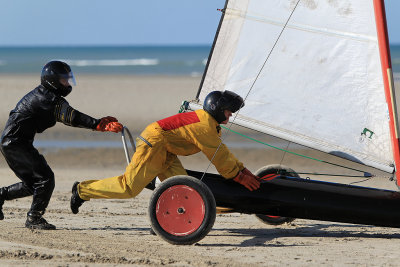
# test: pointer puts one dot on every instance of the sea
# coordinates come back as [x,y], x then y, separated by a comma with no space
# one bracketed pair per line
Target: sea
[140,60]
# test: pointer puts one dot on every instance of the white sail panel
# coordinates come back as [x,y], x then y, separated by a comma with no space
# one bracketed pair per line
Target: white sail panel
[322,85]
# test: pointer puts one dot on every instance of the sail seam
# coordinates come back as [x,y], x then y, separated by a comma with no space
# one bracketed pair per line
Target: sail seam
[306,28]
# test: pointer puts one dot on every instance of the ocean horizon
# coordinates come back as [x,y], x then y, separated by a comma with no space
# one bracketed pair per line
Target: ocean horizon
[141,60]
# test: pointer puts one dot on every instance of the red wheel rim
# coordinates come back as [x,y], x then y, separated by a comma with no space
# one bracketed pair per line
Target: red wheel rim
[180,210]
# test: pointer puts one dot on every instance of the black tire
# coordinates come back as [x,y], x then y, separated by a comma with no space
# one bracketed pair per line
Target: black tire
[182,210]
[275,169]
[274,220]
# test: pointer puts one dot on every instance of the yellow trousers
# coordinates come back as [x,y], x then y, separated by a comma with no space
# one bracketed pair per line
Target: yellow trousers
[147,163]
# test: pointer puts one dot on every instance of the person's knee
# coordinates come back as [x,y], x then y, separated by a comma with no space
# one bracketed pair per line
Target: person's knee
[18,190]
[45,185]
[3,148]
[51,183]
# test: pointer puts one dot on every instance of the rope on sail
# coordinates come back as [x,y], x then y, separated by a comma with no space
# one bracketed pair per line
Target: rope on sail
[270,52]
[258,74]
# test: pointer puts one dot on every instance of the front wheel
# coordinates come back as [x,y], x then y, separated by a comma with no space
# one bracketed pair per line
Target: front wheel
[267,172]
[182,210]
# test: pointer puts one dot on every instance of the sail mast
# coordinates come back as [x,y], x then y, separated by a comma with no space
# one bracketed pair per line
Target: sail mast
[212,50]
[383,40]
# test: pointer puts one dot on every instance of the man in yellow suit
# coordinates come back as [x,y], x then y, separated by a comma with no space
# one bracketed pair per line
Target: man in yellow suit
[159,144]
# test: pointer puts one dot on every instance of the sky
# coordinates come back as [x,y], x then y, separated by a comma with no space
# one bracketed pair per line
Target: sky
[123,22]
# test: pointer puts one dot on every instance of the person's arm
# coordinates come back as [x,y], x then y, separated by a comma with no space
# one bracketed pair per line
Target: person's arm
[225,162]
[66,114]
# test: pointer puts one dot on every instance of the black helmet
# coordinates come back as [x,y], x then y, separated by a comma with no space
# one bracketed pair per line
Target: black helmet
[52,73]
[216,102]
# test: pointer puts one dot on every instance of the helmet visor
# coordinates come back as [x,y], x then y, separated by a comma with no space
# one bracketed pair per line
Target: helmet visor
[68,78]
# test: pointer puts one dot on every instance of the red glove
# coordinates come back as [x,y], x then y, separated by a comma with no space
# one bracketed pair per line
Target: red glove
[114,126]
[109,124]
[247,179]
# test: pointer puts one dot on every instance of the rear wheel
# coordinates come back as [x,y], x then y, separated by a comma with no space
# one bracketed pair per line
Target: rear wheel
[267,172]
[182,210]
[274,220]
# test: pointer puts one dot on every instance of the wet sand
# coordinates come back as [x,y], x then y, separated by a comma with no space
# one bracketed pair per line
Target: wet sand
[116,232]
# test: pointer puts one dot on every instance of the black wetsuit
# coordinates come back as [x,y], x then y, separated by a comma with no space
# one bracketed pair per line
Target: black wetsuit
[35,112]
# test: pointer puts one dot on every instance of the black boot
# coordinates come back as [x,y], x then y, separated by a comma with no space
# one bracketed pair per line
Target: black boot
[36,221]
[2,198]
[11,192]
[76,200]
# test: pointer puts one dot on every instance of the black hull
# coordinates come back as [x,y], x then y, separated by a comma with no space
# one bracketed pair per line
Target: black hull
[308,199]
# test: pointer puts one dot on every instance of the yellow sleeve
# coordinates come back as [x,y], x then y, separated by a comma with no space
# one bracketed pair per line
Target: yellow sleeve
[224,161]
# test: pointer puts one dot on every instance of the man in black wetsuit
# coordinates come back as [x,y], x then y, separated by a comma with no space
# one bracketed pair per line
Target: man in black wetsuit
[35,112]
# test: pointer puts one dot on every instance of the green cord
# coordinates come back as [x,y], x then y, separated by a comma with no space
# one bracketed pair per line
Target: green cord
[185,106]
[255,140]
[366,174]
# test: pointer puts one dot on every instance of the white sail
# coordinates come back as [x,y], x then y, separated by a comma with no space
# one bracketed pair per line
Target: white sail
[322,85]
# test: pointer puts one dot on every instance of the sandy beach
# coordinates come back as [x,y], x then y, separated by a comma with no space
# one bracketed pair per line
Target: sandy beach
[116,232]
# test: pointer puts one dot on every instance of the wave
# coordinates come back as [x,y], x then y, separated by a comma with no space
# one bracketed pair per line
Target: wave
[112,62]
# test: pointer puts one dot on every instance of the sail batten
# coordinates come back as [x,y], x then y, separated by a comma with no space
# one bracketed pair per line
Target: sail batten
[322,85]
